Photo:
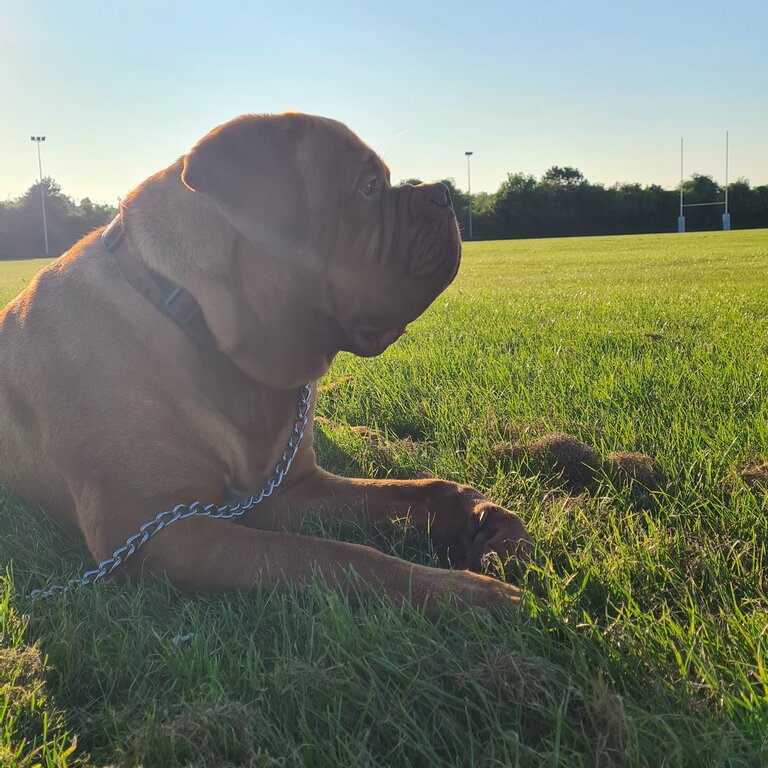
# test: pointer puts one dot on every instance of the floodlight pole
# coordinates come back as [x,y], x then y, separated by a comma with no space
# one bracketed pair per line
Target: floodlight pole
[469,194]
[681,217]
[38,140]
[726,215]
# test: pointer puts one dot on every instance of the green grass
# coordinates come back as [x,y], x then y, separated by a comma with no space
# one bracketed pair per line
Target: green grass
[642,640]
[14,276]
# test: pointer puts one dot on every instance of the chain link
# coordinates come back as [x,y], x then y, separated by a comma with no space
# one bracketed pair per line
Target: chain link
[195,509]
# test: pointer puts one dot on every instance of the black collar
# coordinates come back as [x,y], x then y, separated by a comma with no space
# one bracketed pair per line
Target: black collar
[168,297]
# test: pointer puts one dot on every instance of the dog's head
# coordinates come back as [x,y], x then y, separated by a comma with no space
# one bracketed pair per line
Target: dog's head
[366,257]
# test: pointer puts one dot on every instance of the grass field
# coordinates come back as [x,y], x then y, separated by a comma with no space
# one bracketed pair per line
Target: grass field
[643,638]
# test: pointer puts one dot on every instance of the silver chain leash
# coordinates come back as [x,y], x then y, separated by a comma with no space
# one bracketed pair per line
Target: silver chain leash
[195,509]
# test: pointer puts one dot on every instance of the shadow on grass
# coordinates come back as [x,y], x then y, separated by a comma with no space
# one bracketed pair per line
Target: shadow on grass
[144,675]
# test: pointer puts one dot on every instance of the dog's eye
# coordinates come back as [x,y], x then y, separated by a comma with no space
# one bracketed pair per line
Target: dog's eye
[371,188]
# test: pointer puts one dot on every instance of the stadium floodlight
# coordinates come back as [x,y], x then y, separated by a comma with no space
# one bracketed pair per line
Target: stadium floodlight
[38,140]
[724,203]
[469,194]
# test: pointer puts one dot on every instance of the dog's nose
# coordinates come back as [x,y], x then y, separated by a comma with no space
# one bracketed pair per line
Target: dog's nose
[439,195]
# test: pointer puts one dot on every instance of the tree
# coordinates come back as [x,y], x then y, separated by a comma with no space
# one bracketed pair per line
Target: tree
[21,226]
[516,182]
[700,190]
[563,177]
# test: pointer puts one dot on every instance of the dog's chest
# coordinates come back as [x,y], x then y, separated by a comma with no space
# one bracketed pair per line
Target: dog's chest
[259,426]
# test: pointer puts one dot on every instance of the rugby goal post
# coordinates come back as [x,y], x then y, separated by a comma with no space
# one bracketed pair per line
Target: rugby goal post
[724,203]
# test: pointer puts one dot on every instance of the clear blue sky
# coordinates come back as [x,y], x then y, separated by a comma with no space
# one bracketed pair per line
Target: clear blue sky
[121,89]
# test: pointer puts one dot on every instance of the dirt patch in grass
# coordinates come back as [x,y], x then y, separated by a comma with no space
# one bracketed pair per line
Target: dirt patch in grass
[21,672]
[30,722]
[369,434]
[578,465]
[574,462]
[627,467]
[755,475]
[577,462]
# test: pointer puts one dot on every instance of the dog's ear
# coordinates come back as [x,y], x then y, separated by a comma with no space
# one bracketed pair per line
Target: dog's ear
[248,168]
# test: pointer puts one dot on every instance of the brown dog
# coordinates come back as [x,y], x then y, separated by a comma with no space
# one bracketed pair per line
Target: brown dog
[121,396]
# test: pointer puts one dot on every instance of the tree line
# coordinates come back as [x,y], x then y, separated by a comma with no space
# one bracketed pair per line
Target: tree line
[561,203]
[21,221]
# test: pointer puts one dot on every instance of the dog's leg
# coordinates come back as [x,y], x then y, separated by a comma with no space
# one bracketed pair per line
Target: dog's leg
[204,555]
[459,519]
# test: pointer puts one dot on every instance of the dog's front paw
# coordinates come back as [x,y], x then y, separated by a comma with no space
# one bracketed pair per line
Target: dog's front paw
[473,591]
[499,533]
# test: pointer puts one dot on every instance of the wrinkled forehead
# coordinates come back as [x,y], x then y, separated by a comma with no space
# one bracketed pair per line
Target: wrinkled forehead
[331,146]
